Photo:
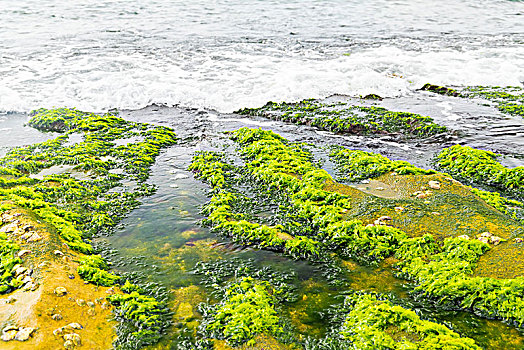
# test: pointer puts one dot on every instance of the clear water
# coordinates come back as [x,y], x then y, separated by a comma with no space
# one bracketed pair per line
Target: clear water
[229,54]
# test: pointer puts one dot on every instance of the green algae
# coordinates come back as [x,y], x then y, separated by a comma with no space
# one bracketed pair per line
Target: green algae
[248,309]
[93,269]
[8,260]
[479,166]
[344,118]
[373,323]
[354,165]
[441,90]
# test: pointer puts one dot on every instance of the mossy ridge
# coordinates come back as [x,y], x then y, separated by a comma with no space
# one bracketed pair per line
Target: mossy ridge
[375,323]
[78,208]
[355,165]
[344,118]
[479,166]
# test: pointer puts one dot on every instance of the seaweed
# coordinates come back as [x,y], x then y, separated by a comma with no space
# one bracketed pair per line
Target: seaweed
[343,118]
[481,167]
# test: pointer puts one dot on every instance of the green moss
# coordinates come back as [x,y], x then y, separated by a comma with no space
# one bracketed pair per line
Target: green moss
[248,309]
[509,99]
[8,260]
[373,324]
[442,90]
[478,166]
[93,269]
[446,278]
[142,317]
[343,118]
[356,165]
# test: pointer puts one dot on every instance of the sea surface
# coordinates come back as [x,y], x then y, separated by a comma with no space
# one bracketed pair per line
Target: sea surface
[227,54]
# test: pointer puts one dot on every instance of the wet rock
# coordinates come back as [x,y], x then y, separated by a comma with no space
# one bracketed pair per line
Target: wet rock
[23,253]
[484,239]
[434,185]
[74,325]
[9,228]
[60,291]
[495,240]
[9,335]
[34,237]
[24,333]
[20,270]
[80,302]
[57,317]
[73,337]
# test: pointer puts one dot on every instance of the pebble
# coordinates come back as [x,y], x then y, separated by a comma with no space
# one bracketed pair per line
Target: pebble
[58,253]
[495,240]
[20,270]
[74,325]
[81,302]
[365,181]
[9,335]
[399,208]
[74,337]
[23,253]
[58,331]
[60,291]
[90,304]
[484,239]
[519,240]
[380,188]
[24,333]
[434,185]
[435,213]
[57,317]
[34,237]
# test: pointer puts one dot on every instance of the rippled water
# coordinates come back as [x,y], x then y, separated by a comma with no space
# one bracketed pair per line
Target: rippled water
[229,54]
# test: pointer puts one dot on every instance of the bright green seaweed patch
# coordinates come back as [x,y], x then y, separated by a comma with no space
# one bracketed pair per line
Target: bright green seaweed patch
[446,278]
[94,269]
[8,260]
[373,324]
[142,317]
[356,165]
[481,167]
[442,90]
[248,309]
[343,118]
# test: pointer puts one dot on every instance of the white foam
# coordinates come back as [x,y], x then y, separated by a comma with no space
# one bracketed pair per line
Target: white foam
[247,80]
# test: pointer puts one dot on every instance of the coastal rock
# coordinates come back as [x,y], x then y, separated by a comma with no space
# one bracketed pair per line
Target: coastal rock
[74,338]
[57,317]
[9,335]
[24,333]
[60,291]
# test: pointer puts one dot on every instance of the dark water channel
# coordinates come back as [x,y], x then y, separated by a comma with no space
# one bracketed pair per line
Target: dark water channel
[162,239]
